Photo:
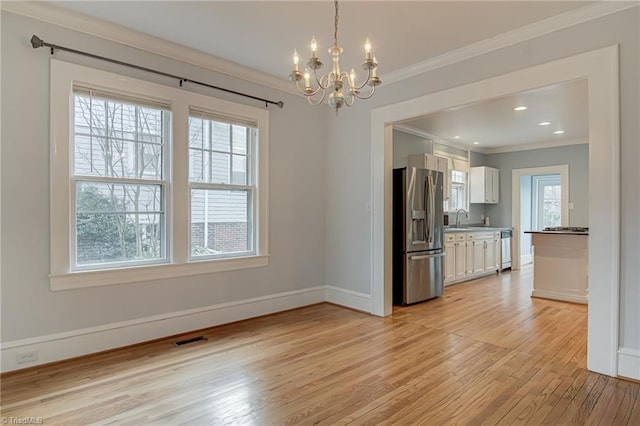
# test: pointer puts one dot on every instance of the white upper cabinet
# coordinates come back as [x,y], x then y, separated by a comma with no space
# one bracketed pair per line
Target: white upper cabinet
[485,185]
[433,162]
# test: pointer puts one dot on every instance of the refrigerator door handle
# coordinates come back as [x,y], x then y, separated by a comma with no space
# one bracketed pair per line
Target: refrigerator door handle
[425,197]
[426,256]
[431,208]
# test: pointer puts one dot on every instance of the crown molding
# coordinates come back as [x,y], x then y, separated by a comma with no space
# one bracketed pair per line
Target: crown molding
[113,32]
[435,138]
[529,147]
[510,38]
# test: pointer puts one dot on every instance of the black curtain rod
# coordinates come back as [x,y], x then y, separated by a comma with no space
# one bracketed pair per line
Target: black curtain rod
[37,42]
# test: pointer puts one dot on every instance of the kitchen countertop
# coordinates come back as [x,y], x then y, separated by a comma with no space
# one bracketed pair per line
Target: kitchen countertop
[558,232]
[568,230]
[476,228]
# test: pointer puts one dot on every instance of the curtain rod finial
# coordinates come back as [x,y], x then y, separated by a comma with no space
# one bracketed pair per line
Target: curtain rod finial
[280,104]
[36,42]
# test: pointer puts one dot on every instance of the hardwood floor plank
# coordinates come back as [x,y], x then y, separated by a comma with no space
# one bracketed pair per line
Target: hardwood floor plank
[484,353]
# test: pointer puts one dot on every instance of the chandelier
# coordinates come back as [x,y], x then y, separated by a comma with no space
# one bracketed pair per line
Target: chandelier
[334,82]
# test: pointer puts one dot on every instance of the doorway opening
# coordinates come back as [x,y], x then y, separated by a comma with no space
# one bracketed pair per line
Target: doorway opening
[600,68]
[528,205]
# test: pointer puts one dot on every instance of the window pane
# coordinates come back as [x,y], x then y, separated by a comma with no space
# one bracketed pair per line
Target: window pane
[551,205]
[118,223]
[220,168]
[239,175]
[220,222]
[197,133]
[109,238]
[458,177]
[149,161]
[240,139]
[457,197]
[220,136]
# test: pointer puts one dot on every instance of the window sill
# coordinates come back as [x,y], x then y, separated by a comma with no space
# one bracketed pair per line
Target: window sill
[84,279]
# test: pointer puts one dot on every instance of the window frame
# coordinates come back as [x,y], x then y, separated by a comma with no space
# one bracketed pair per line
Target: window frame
[177,205]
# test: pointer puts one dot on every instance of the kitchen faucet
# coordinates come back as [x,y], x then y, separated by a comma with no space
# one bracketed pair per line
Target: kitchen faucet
[466,215]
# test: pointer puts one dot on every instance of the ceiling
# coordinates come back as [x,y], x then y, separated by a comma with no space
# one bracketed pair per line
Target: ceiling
[496,126]
[261,35]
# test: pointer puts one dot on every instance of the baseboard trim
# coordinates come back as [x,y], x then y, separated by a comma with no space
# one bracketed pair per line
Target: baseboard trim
[348,298]
[59,346]
[583,300]
[629,363]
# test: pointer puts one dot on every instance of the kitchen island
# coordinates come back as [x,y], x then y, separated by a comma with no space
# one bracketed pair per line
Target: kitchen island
[560,264]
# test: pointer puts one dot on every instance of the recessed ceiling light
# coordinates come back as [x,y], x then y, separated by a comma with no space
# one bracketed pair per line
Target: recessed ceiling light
[456,137]
[476,143]
[520,108]
[558,132]
[544,123]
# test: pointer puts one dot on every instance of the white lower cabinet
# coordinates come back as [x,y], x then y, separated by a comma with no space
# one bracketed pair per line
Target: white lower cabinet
[471,254]
[449,261]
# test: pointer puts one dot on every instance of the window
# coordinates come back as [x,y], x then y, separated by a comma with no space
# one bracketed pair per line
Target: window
[118,151]
[150,182]
[459,189]
[547,201]
[458,182]
[222,191]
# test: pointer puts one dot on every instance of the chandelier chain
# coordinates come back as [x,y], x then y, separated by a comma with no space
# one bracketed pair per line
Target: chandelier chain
[335,31]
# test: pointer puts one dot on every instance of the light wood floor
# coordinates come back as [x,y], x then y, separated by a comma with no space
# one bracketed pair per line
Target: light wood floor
[485,353]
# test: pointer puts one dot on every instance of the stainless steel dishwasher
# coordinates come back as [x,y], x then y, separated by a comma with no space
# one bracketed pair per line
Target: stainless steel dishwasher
[506,236]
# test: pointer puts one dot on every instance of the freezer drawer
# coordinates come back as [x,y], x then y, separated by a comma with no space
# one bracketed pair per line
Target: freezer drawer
[423,278]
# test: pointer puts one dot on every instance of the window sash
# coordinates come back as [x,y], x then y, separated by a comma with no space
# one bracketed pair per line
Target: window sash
[249,213]
[121,253]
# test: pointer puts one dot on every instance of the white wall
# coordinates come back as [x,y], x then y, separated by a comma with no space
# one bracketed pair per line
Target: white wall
[348,221]
[296,196]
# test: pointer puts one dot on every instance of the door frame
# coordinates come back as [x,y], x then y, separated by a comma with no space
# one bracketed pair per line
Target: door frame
[600,68]
[516,174]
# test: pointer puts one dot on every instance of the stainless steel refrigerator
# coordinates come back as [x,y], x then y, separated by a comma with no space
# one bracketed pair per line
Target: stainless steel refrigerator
[418,222]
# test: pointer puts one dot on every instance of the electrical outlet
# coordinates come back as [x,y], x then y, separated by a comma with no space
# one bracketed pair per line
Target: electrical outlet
[25,357]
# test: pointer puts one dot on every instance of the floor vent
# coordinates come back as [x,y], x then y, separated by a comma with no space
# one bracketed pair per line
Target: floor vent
[191,340]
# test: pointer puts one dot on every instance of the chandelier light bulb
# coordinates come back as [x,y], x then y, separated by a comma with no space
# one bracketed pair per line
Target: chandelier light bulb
[367,48]
[296,60]
[314,47]
[307,79]
[352,77]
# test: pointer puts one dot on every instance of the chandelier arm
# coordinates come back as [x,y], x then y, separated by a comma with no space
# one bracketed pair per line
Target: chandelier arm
[365,81]
[373,89]
[324,86]
[349,96]
[304,92]
[314,103]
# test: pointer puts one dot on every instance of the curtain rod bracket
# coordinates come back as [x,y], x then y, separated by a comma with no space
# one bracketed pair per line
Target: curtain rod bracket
[37,42]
